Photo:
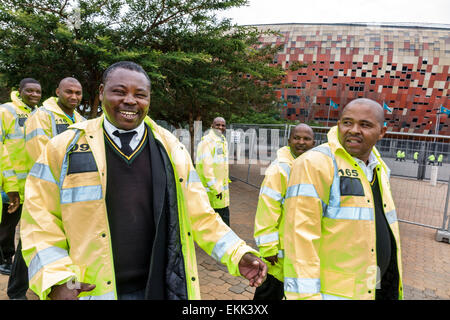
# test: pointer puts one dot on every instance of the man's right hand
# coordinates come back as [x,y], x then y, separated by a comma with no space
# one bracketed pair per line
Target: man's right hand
[272,259]
[69,290]
[14,201]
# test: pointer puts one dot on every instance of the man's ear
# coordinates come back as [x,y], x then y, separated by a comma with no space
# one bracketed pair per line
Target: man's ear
[383,132]
[101,88]
[57,92]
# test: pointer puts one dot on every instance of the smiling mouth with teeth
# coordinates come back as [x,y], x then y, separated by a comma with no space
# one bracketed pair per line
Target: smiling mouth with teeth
[128,114]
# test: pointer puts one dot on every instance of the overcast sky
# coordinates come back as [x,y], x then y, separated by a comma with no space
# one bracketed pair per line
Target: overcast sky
[323,11]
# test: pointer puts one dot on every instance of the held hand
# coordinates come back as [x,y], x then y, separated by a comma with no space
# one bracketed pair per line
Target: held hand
[69,290]
[219,196]
[253,269]
[272,259]
[14,202]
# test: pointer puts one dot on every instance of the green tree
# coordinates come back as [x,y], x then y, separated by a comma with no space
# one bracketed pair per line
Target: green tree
[200,67]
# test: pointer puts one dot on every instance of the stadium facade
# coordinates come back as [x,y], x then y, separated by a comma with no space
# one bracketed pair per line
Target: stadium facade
[404,66]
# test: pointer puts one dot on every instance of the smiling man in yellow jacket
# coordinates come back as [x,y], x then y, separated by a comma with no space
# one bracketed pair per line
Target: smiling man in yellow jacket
[341,231]
[13,115]
[55,115]
[113,206]
[269,218]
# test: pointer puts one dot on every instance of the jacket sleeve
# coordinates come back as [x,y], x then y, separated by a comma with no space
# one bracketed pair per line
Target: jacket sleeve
[205,167]
[269,211]
[209,231]
[37,134]
[308,190]
[9,178]
[44,244]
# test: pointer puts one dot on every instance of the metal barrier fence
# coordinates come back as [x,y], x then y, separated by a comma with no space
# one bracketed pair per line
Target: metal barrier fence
[421,191]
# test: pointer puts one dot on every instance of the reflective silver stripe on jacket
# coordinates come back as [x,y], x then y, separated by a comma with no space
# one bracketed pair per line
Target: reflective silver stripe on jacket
[17,134]
[35,133]
[391,216]
[305,190]
[302,285]
[52,118]
[8,173]
[351,213]
[193,177]
[45,257]
[266,238]
[226,242]
[83,193]
[43,172]
[271,193]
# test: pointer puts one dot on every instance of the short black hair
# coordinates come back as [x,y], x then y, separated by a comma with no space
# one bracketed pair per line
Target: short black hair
[129,65]
[26,81]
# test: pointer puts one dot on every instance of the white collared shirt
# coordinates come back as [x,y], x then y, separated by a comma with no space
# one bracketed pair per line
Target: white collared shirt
[134,142]
[368,169]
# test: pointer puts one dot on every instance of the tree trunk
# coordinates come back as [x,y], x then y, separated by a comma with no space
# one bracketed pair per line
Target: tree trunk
[94,108]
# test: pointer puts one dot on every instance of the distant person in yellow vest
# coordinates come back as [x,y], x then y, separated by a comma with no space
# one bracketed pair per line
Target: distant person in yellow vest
[416,156]
[439,159]
[399,156]
[269,217]
[431,159]
[212,168]
[341,233]
[13,115]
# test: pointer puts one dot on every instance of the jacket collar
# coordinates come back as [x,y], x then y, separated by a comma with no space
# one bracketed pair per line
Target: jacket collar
[215,137]
[15,98]
[51,104]
[285,155]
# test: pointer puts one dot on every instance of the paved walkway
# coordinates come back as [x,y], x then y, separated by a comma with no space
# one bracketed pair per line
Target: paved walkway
[426,273]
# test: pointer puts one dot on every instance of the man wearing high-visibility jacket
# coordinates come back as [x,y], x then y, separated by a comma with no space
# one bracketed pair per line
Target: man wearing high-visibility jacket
[269,218]
[439,159]
[341,234]
[46,122]
[55,115]
[12,118]
[212,167]
[113,206]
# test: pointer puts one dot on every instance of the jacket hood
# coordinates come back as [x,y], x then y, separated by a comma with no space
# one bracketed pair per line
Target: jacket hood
[285,155]
[51,104]
[15,98]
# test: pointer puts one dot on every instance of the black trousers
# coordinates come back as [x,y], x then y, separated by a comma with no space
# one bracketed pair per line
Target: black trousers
[18,280]
[8,232]
[224,213]
[271,289]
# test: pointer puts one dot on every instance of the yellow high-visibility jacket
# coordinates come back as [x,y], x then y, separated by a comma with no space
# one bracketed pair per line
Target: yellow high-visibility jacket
[64,225]
[440,158]
[45,123]
[269,218]
[329,238]
[13,116]
[8,179]
[212,167]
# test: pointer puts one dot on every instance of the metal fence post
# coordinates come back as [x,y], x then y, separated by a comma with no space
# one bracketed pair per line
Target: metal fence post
[442,234]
